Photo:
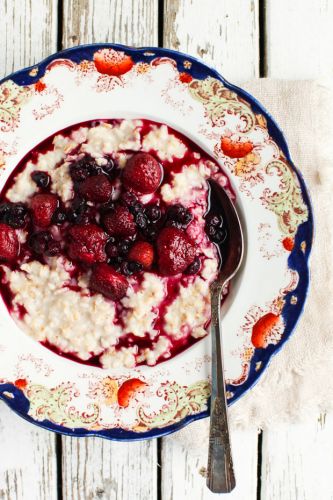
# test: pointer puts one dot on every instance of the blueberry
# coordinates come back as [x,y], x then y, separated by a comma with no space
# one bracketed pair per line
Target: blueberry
[42,179]
[210,230]
[215,220]
[115,262]
[39,242]
[153,212]
[194,268]
[53,248]
[109,166]
[111,250]
[174,223]
[135,267]
[141,220]
[150,232]
[123,247]
[125,269]
[59,217]
[180,214]
[219,236]
[14,214]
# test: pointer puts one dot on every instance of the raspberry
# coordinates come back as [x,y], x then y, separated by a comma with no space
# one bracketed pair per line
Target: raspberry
[142,173]
[106,280]
[119,222]
[176,251]
[97,188]
[9,244]
[143,253]
[87,243]
[43,207]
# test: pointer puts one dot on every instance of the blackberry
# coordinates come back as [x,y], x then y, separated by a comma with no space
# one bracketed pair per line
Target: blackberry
[79,212]
[150,232]
[123,247]
[53,248]
[141,220]
[115,262]
[111,250]
[153,212]
[39,242]
[135,267]
[173,223]
[136,208]
[86,167]
[41,179]
[13,214]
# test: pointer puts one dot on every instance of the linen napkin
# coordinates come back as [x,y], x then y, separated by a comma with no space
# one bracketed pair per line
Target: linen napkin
[298,384]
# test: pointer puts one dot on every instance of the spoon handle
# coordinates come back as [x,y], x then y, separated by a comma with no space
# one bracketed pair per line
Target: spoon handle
[220,478]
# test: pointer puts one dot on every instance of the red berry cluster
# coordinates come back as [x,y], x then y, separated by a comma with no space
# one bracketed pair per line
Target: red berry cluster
[110,237]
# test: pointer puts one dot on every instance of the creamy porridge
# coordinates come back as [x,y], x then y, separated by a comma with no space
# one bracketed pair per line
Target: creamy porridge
[104,247]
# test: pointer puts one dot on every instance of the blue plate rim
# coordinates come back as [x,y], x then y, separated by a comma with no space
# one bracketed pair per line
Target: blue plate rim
[19,403]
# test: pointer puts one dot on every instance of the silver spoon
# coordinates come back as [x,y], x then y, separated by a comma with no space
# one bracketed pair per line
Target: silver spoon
[221,477]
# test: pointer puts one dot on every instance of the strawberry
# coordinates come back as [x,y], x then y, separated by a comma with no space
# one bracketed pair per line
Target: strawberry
[142,173]
[111,62]
[262,328]
[106,280]
[97,188]
[9,244]
[143,253]
[43,207]
[128,389]
[119,222]
[87,243]
[176,251]
[235,149]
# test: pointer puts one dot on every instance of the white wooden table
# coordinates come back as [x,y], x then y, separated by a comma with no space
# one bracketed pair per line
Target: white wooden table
[243,39]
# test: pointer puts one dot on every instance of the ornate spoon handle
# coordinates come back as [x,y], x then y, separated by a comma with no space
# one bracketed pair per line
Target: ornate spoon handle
[221,478]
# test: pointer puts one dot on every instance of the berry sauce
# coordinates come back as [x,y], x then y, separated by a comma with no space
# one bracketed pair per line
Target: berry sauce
[48,232]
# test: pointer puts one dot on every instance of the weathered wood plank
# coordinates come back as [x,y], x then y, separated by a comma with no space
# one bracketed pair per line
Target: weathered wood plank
[28,32]
[225,34]
[28,466]
[92,467]
[182,476]
[297,462]
[105,470]
[299,38]
[131,22]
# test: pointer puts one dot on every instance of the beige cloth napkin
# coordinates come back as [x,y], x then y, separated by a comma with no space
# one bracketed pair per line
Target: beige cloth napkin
[298,384]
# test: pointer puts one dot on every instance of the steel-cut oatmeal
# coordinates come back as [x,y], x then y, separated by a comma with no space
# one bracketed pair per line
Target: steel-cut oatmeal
[106,254]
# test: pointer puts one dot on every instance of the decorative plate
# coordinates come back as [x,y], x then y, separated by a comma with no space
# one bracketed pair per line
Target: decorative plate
[266,299]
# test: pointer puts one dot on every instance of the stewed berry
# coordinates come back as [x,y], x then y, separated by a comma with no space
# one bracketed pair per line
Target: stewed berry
[39,242]
[123,247]
[59,217]
[141,220]
[194,268]
[153,212]
[41,179]
[53,248]
[86,167]
[111,250]
[179,214]
[13,214]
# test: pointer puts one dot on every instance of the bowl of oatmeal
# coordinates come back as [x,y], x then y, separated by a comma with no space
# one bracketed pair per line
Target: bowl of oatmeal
[108,245]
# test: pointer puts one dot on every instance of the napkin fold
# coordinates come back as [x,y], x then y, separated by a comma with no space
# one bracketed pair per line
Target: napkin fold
[298,384]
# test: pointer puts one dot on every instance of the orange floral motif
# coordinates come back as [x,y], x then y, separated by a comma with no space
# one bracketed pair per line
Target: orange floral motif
[40,86]
[288,243]
[109,390]
[142,67]
[128,390]
[263,328]
[185,77]
[111,62]
[235,149]
[247,165]
[21,383]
